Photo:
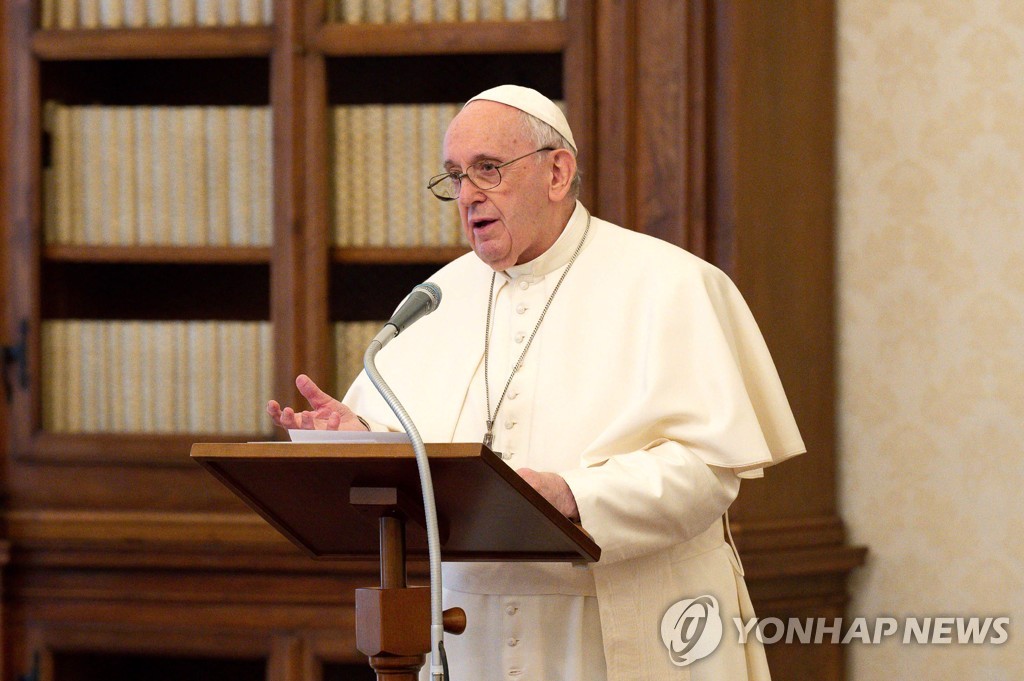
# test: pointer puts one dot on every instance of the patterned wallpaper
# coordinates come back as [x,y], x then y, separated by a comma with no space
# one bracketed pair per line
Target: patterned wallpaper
[931,308]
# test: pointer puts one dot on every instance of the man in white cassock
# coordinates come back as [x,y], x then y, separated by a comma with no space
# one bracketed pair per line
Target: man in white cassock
[621,376]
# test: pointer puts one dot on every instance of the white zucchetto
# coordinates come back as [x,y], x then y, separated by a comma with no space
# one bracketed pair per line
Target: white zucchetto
[532,102]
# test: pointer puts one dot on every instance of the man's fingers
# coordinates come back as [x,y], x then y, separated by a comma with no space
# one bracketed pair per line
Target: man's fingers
[316,397]
[289,419]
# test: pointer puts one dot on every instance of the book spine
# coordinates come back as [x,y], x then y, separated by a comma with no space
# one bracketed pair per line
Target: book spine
[341,194]
[423,11]
[111,13]
[74,371]
[396,146]
[517,10]
[399,11]
[217,175]
[180,333]
[67,14]
[126,185]
[93,174]
[50,346]
[145,196]
[353,11]
[109,162]
[240,223]
[135,13]
[89,13]
[261,154]
[158,13]
[229,13]
[376,187]
[250,13]
[47,14]
[158,231]
[460,10]
[358,198]
[183,12]
[206,13]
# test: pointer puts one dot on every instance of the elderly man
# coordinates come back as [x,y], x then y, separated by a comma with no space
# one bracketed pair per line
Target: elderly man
[621,376]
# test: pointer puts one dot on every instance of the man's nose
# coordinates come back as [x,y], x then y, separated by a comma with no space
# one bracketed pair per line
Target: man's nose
[469,193]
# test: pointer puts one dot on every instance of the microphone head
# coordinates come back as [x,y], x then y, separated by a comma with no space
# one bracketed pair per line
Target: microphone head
[433,291]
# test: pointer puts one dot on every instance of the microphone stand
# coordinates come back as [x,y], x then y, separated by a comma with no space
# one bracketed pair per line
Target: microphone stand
[438,663]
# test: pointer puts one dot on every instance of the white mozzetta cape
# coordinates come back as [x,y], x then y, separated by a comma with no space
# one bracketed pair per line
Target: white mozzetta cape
[651,372]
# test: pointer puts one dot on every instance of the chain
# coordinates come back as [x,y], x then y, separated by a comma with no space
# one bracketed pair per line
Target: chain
[489,435]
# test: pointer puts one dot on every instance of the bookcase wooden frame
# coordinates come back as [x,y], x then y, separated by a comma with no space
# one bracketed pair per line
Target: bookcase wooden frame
[709,124]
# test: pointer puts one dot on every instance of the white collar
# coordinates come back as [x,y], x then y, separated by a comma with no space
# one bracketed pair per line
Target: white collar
[557,255]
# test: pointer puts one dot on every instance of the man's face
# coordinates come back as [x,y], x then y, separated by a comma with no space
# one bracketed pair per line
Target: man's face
[511,223]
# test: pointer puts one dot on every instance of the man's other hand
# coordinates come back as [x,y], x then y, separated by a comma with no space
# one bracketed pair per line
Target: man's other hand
[325,413]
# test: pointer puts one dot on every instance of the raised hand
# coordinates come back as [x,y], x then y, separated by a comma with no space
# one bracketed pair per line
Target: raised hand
[325,413]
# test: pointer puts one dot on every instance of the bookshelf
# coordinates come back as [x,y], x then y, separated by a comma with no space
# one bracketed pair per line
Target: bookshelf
[120,554]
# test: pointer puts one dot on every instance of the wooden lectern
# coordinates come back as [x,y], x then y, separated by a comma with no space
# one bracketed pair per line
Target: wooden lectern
[353,501]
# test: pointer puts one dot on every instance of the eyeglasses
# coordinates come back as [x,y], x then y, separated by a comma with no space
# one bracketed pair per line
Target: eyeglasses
[483,174]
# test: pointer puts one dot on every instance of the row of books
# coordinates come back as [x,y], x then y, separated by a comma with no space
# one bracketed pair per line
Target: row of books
[202,176]
[416,11]
[92,14]
[383,156]
[71,14]
[170,377]
[158,176]
[156,377]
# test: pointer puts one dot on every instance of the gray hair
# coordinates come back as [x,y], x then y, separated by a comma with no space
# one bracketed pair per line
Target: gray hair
[543,135]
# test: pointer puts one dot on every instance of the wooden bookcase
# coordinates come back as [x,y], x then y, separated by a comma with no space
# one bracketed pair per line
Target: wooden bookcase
[708,124]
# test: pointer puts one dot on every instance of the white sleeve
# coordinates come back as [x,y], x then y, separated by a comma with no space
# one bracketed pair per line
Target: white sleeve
[639,502]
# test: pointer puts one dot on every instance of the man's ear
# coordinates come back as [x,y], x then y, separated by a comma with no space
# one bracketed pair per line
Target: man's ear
[563,169]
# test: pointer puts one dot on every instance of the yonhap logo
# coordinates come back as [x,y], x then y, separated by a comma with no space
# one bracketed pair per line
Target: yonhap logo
[691,629]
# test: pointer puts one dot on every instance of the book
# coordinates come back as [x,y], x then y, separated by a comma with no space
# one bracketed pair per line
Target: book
[375,143]
[342,175]
[399,11]
[111,13]
[123,156]
[353,11]
[260,149]
[183,12]
[238,180]
[177,149]
[396,152]
[135,13]
[144,163]
[158,13]
[492,10]
[88,13]
[51,348]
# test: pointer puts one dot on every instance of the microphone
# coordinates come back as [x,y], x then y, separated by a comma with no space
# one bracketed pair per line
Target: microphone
[423,300]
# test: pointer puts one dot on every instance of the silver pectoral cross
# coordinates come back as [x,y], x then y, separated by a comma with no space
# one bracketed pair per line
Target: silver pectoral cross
[488,436]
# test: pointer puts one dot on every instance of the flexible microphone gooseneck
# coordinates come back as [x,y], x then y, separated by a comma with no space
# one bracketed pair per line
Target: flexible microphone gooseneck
[423,300]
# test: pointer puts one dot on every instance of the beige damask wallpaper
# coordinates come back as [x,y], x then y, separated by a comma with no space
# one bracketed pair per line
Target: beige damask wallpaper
[931,308]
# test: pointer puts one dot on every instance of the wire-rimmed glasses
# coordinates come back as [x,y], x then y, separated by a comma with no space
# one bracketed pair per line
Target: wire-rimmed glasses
[483,174]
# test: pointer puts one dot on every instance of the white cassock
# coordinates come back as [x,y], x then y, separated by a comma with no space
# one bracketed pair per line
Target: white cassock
[649,388]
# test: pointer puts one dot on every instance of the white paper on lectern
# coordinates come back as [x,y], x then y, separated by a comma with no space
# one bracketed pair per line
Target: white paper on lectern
[347,436]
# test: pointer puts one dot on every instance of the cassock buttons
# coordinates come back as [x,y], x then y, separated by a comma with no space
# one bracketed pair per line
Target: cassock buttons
[513,642]
[519,337]
[510,424]
[511,610]
[523,284]
[520,308]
